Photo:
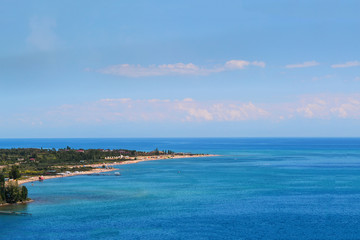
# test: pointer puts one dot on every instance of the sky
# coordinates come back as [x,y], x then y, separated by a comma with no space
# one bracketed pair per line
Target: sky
[253,68]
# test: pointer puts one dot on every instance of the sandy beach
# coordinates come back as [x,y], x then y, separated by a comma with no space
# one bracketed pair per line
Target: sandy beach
[109,168]
[149,158]
[34,179]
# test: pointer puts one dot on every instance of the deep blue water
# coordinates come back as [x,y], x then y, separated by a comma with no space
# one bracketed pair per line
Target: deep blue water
[260,188]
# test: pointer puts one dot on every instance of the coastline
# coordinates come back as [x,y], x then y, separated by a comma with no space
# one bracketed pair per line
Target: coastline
[36,179]
[101,170]
[18,203]
[151,158]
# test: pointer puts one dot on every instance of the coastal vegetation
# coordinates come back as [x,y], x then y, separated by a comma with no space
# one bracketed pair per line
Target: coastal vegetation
[11,192]
[17,163]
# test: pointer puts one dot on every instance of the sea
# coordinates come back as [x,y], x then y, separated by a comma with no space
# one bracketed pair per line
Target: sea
[256,188]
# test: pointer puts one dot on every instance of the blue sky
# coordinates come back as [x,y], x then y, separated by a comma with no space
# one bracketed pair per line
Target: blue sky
[179,69]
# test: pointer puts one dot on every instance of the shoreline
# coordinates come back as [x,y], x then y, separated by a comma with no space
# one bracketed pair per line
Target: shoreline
[36,179]
[149,158]
[101,170]
[18,203]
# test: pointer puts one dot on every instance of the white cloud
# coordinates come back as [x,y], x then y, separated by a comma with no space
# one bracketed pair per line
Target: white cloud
[237,64]
[220,111]
[348,109]
[347,64]
[130,70]
[241,64]
[238,112]
[42,35]
[259,64]
[153,70]
[315,108]
[329,106]
[199,114]
[303,65]
[122,100]
[124,109]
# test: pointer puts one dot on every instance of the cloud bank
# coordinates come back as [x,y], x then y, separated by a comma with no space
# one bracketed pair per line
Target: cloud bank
[121,110]
[132,70]
[129,70]
[346,65]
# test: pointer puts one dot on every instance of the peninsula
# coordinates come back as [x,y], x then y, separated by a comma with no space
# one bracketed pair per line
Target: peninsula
[22,165]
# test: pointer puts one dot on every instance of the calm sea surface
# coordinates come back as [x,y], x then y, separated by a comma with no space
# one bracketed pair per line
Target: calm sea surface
[259,188]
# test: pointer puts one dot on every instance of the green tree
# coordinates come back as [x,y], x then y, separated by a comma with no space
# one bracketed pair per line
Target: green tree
[14,172]
[12,193]
[24,193]
[2,188]
[156,151]
[2,180]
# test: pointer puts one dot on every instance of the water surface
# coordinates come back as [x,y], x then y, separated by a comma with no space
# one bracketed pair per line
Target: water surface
[258,189]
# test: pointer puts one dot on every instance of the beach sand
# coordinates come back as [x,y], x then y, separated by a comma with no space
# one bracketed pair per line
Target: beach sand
[96,170]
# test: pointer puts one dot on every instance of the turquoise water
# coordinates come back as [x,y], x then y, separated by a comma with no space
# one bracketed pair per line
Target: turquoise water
[257,189]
